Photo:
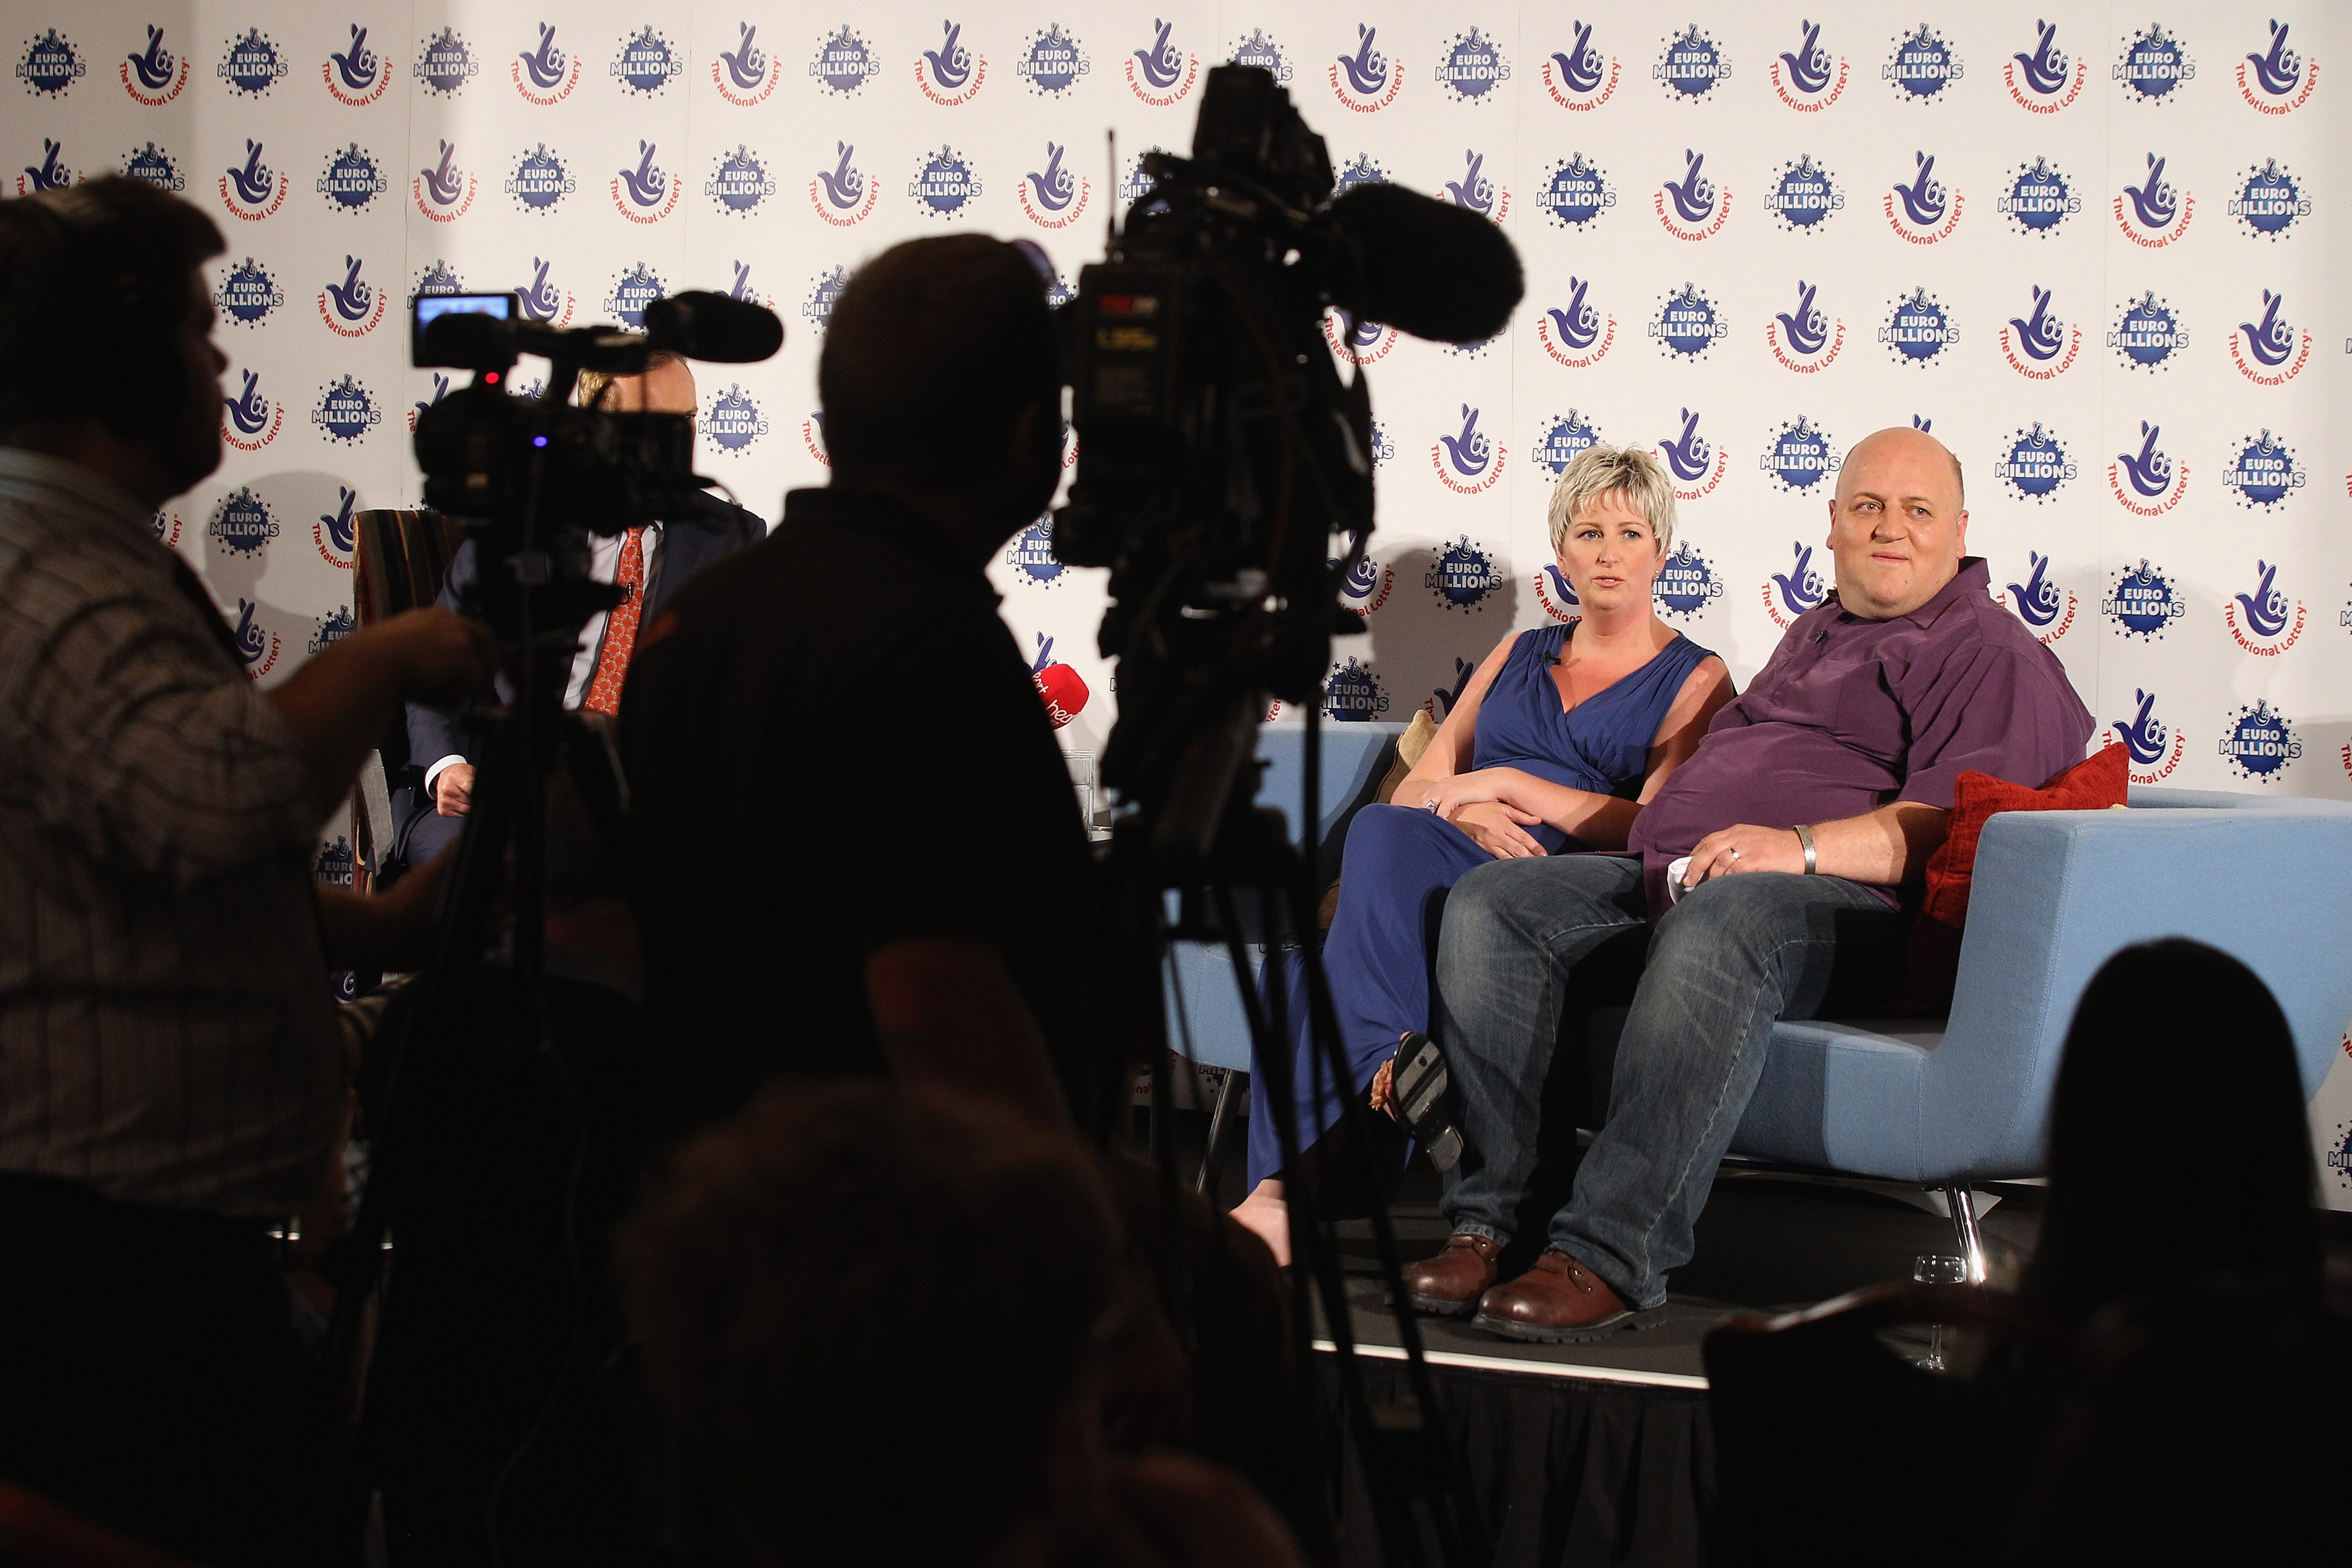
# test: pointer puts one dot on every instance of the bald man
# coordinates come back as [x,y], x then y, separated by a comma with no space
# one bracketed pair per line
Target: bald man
[1814,799]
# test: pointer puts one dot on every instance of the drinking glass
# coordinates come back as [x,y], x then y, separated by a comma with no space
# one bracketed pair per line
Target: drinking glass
[1932,1269]
[1082,784]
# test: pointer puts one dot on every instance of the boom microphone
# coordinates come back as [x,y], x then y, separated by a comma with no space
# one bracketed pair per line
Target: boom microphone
[716,328]
[1420,264]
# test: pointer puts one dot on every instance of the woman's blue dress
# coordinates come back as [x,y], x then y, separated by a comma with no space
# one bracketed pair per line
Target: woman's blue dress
[1400,860]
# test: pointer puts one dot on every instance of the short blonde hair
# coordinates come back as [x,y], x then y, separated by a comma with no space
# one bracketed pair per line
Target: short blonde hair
[591,385]
[1601,468]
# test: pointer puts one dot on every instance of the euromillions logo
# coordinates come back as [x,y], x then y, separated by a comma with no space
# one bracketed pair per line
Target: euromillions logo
[1809,78]
[2040,197]
[1031,554]
[540,180]
[444,192]
[2339,1156]
[746,74]
[1263,52]
[949,75]
[1688,324]
[1053,197]
[1477,192]
[155,75]
[2268,352]
[647,193]
[2150,482]
[2154,213]
[844,194]
[1581,77]
[2277,81]
[637,287]
[1806,339]
[248,294]
[2267,621]
[543,301]
[1467,462]
[2148,334]
[1367,80]
[1161,74]
[2040,346]
[2259,743]
[2153,64]
[1922,66]
[1576,334]
[1691,208]
[733,420]
[740,183]
[1575,192]
[1798,457]
[155,166]
[1052,63]
[352,307]
[1366,587]
[336,535]
[1802,195]
[1472,66]
[648,63]
[818,308]
[1925,211]
[1691,66]
[333,627]
[1137,182]
[251,65]
[1383,449]
[438,278]
[1564,440]
[1061,688]
[2047,609]
[445,64]
[2264,472]
[333,867]
[2036,464]
[50,65]
[256,643]
[1353,695]
[252,191]
[546,75]
[52,174]
[1789,595]
[354,74]
[843,62]
[241,523]
[1686,584]
[351,180]
[2270,201]
[1918,328]
[1557,594]
[2151,747]
[250,420]
[2143,601]
[945,186]
[2043,80]
[1696,464]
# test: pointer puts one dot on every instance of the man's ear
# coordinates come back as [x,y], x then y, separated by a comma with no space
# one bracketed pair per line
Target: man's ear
[1960,531]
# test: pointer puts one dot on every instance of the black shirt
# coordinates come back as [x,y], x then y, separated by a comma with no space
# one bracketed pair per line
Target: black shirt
[832,744]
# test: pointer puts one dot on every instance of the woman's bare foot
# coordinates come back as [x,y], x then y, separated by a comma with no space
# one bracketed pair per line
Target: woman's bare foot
[1268,1216]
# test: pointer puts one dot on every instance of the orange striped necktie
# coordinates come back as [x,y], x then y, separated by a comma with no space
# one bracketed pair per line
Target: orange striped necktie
[620,629]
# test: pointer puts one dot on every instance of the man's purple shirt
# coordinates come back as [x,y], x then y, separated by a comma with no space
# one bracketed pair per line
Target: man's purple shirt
[1851,714]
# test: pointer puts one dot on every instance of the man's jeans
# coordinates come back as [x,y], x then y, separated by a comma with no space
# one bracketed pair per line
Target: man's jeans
[1735,954]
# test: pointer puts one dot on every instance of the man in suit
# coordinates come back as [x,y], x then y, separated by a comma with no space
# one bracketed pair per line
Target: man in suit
[655,557]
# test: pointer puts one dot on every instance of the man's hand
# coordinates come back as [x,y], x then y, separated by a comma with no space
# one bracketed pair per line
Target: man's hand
[1500,829]
[453,789]
[1728,852]
[1884,848]
[340,700]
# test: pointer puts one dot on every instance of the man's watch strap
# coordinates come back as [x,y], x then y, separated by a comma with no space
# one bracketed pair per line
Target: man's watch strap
[1812,860]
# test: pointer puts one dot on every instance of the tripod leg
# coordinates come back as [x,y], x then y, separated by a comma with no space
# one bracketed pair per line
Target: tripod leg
[1213,1159]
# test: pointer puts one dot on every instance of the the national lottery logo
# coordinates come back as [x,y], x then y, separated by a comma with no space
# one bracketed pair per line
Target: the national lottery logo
[1926,210]
[1352,694]
[351,180]
[2154,213]
[1686,583]
[1260,50]
[647,193]
[635,289]
[1922,67]
[2265,620]
[1806,339]
[1053,197]
[1471,67]
[2258,742]
[648,63]
[1691,207]
[1476,191]
[156,75]
[2277,80]
[1809,78]
[50,65]
[1694,462]
[844,194]
[2045,606]
[1365,587]
[1052,62]
[354,74]
[168,527]
[1789,595]
[1688,324]
[1557,594]
[1691,66]
[2152,748]
[2040,197]
[812,436]
[843,62]
[2035,464]
[1159,73]
[2268,352]
[2042,79]
[155,166]
[1469,461]
[945,186]
[438,278]
[818,308]
[2150,482]
[1581,77]
[2270,200]
[336,534]
[445,64]
[252,64]
[1061,688]
[1442,698]
[2152,67]
[252,190]
[1564,439]
[333,627]
[444,191]
[1575,192]
[1918,328]
[547,74]
[541,299]
[50,175]
[1366,80]
[248,294]
[746,74]
[1799,456]
[2264,472]
[2143,602]
[346,410]
[1031,554]
[2040,345]
[256,643]
[440,391]
[540,180]
[1802,195]
[2148,334]
[1358,342]
[351,307]
[242,523]
[740,183]
[733,421]
[248,419]
[741,288]
[1577,333]
[951,74]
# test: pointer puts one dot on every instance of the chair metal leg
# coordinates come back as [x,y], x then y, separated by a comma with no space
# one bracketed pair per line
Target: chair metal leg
[1958,1204]
[1213,1157]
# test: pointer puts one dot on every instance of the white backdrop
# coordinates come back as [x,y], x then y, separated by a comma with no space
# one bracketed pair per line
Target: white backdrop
[2087,244]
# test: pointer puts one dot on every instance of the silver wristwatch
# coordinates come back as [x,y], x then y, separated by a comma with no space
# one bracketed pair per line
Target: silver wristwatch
[1805,837]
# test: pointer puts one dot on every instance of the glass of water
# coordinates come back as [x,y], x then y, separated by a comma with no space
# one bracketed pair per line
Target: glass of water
[1082,784]
[1930,1269]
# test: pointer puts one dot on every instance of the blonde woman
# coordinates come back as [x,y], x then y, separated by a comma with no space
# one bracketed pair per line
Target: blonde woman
[1560,737]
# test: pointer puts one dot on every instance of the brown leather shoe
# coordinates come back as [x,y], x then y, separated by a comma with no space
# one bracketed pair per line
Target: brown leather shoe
[1558,1299]
[1449,1285]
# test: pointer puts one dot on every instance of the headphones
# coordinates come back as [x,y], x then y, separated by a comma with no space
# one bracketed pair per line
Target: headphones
[111,341]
